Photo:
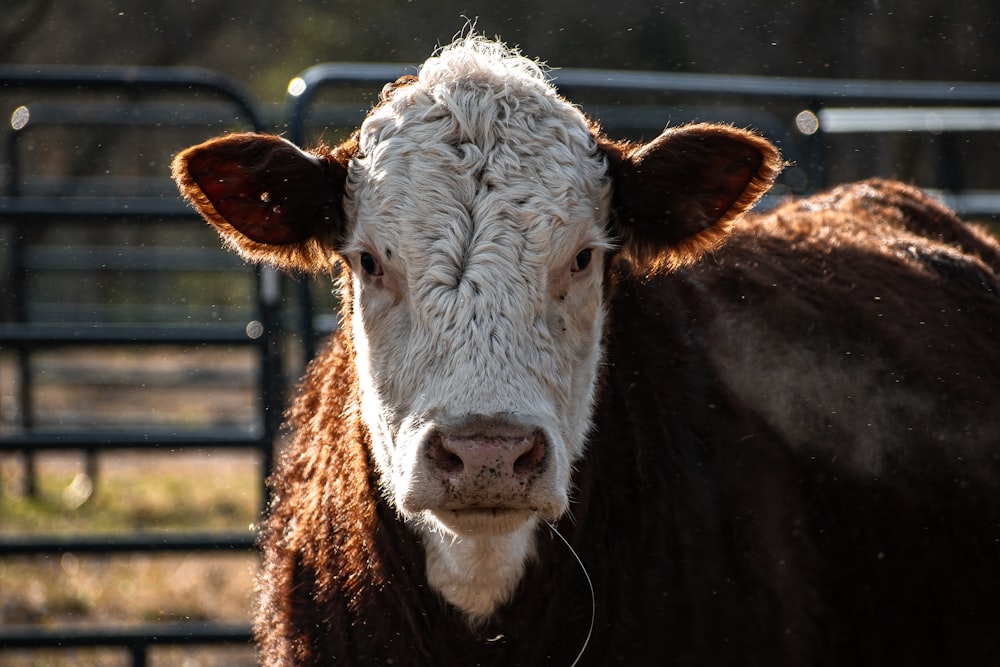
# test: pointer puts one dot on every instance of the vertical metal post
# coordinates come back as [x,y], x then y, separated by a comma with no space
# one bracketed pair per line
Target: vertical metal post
[271,368]
[949,164]
[19,303]
[306,321]
[25,392]
[138,655]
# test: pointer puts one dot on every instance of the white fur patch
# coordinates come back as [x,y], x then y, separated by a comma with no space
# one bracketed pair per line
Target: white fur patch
[476,188]
[478,574]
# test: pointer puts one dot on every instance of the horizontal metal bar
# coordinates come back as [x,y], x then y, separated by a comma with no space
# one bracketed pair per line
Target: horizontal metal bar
[79,209]
[189,80]
[682,82]
[103,187]
[908,119]
[168,634]
[926,92]
[131,258]
[94,440]
[135,313]
[41,335]
[31,545]
[972,203]
[349,73]
[132,114]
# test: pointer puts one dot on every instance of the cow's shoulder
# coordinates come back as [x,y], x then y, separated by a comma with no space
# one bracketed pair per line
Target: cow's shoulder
[860,323]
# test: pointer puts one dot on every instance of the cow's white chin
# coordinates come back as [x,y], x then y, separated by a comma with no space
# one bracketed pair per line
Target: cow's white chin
[482,521]
[477,568]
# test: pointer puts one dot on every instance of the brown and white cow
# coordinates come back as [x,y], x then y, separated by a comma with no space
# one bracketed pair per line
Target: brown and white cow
[778,450]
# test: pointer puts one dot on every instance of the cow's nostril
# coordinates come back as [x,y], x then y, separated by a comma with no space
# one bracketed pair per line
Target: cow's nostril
[502,458]
[443,459]
[531,461]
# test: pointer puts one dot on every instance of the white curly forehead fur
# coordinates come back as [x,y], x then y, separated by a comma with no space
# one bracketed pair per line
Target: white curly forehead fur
[475,188]
[480,137]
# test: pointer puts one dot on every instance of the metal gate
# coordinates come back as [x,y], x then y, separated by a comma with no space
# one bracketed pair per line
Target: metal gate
[94,110]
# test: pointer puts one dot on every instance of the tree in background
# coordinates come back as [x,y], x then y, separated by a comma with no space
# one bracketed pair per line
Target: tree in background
[266,44]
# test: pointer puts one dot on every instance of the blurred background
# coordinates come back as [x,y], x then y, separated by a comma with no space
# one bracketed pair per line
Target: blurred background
[265,44]
[143,369]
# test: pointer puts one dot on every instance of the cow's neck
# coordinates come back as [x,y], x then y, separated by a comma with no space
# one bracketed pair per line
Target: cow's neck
[477,574]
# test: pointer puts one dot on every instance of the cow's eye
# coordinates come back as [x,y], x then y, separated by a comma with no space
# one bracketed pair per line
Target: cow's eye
[582,260]
[370,265]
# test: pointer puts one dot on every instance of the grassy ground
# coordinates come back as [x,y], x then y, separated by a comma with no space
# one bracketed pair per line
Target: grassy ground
[132,492]
[126,492]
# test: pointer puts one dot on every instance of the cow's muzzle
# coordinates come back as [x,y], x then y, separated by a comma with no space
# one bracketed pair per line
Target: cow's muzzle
[486,469]
[484,473]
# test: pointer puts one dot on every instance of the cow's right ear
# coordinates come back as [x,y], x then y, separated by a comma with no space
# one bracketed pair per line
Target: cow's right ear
[269,200]
[679,195]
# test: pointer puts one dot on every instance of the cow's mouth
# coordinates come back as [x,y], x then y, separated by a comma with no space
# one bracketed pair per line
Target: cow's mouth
[483,520]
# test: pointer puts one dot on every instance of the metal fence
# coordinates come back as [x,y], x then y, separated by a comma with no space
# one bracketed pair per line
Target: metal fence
[933,133]
[106,114]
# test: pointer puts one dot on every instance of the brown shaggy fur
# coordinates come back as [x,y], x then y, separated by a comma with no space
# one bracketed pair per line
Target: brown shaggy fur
[796,461]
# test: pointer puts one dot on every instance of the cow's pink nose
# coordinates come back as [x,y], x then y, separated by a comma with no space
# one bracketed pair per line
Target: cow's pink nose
[486,459]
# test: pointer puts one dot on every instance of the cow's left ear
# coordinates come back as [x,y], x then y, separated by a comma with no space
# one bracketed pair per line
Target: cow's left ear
[269,200]
[678,196]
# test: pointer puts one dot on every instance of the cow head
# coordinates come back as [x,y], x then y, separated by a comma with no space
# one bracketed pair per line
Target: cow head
[477,213]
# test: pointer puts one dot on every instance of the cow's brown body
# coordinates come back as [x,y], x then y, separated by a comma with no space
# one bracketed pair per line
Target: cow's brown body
[795,460]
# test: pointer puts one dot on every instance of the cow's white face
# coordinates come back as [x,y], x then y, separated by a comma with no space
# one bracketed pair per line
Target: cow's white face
[477,258]
[473,211]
